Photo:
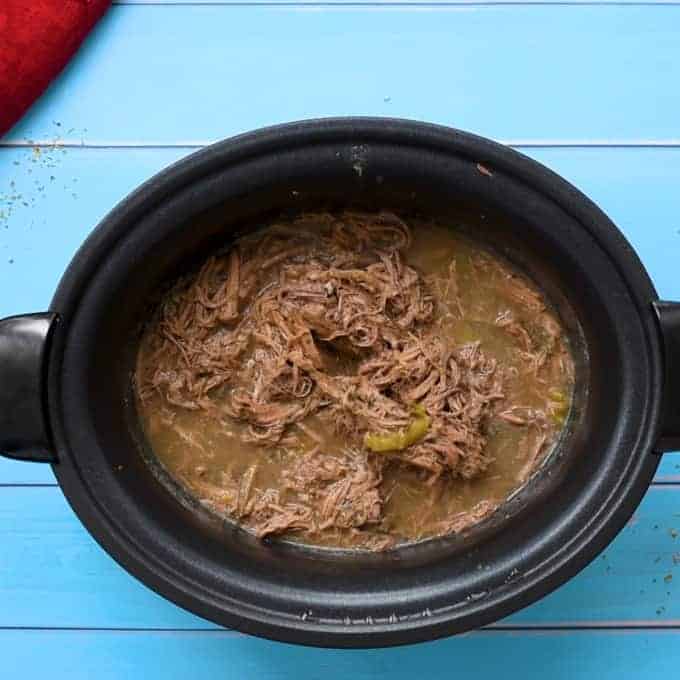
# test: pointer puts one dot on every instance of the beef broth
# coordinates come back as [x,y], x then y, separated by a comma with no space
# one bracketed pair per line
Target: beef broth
[353,381]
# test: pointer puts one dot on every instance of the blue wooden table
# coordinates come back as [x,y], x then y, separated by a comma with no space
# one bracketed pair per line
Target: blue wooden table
[592,89]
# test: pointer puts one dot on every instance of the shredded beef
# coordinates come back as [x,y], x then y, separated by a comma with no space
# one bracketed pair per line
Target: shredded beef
[293,322]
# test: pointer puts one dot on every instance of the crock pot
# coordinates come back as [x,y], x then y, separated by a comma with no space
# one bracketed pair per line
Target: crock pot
[65,388]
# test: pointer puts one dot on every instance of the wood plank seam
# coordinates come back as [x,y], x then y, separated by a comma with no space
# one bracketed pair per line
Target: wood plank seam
[189,145]
[396,3]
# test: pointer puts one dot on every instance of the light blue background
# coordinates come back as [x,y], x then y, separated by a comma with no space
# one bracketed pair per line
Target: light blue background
[591,89]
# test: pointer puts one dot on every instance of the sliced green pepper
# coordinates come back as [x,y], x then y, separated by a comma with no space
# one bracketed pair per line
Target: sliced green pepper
[398,441]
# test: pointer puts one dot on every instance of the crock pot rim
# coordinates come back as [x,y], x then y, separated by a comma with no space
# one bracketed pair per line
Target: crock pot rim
[380,130]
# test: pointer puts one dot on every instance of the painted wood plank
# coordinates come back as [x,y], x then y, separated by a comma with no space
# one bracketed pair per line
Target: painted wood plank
[106,655]
[202,72]
[50,198]
[53,574]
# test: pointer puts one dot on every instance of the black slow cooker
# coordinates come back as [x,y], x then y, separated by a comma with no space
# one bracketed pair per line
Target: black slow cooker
[65,389]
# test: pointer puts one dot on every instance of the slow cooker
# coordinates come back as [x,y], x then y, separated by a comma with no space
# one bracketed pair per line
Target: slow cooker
[65,384]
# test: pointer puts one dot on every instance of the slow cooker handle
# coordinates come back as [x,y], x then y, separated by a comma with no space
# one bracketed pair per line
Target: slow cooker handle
[24,348]
[668,314]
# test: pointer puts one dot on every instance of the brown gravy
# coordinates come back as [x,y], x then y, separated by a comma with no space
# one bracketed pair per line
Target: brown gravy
[235,465]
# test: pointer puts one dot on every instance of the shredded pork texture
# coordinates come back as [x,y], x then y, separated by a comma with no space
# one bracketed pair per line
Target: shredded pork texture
[329,321]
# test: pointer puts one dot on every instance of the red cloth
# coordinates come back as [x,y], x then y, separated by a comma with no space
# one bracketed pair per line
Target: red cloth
[37,38]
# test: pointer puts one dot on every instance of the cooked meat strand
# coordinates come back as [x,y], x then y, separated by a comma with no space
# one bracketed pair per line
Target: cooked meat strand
[321,324]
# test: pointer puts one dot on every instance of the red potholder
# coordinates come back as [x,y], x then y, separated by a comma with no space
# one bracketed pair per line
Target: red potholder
[37,38]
